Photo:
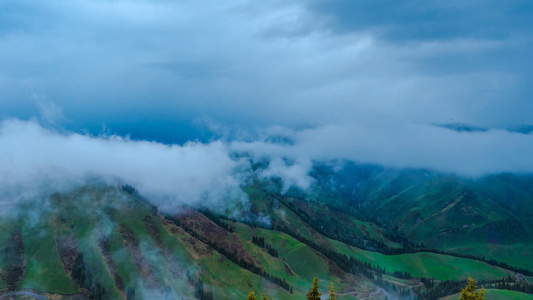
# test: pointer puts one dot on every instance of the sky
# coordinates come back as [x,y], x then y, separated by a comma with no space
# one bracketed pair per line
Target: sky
[368,81]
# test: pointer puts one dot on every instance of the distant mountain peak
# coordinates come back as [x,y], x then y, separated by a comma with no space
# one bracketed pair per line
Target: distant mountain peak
[461,127]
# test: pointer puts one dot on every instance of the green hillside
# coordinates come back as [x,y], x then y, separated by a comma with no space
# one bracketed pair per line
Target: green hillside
[103,242]
[440,267]
[488,217]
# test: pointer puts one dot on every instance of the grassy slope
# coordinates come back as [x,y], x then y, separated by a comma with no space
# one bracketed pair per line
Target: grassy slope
[89,229]
[224,278]
[94,212]
[341,221]
[423,264]
[279,213]
[440,267]
[514,254]
[496,207]
[45,271]
[305,262]
[315,207]
[434,208]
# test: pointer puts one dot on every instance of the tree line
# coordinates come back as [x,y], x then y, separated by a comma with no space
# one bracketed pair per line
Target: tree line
[379,246]
[373,272]
[238,260]
[260,241]
[216,219]
[86,280]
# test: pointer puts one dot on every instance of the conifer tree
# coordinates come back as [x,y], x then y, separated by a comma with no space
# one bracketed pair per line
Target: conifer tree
[252,295]
[313,293]
[332,293]
[470,293]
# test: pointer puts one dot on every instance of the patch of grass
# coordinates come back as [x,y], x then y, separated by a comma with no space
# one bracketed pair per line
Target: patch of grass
[440,267]
[513,254]
[219,274]
[45,271]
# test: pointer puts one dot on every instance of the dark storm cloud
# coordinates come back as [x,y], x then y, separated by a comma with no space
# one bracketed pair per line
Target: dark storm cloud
[417,20]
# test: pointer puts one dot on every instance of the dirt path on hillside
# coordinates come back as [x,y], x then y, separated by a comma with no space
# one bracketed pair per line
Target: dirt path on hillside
[379,293]
[348,294]
[523,277]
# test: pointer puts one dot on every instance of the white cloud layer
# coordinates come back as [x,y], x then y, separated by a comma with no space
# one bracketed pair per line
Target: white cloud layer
[32,157]
[398,145]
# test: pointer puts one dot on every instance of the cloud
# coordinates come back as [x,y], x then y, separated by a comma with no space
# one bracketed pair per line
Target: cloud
[50,113]
[34,157]
[141,67]
[397,145]
[340,80]
[36,160]
[416,20]
[292,174]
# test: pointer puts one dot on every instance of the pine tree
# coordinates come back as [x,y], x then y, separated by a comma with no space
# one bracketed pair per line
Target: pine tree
[470,293]
[313,293]
[332,293]
[251,295]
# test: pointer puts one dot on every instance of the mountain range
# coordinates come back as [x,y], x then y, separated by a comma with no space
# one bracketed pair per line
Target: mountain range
[374,232]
